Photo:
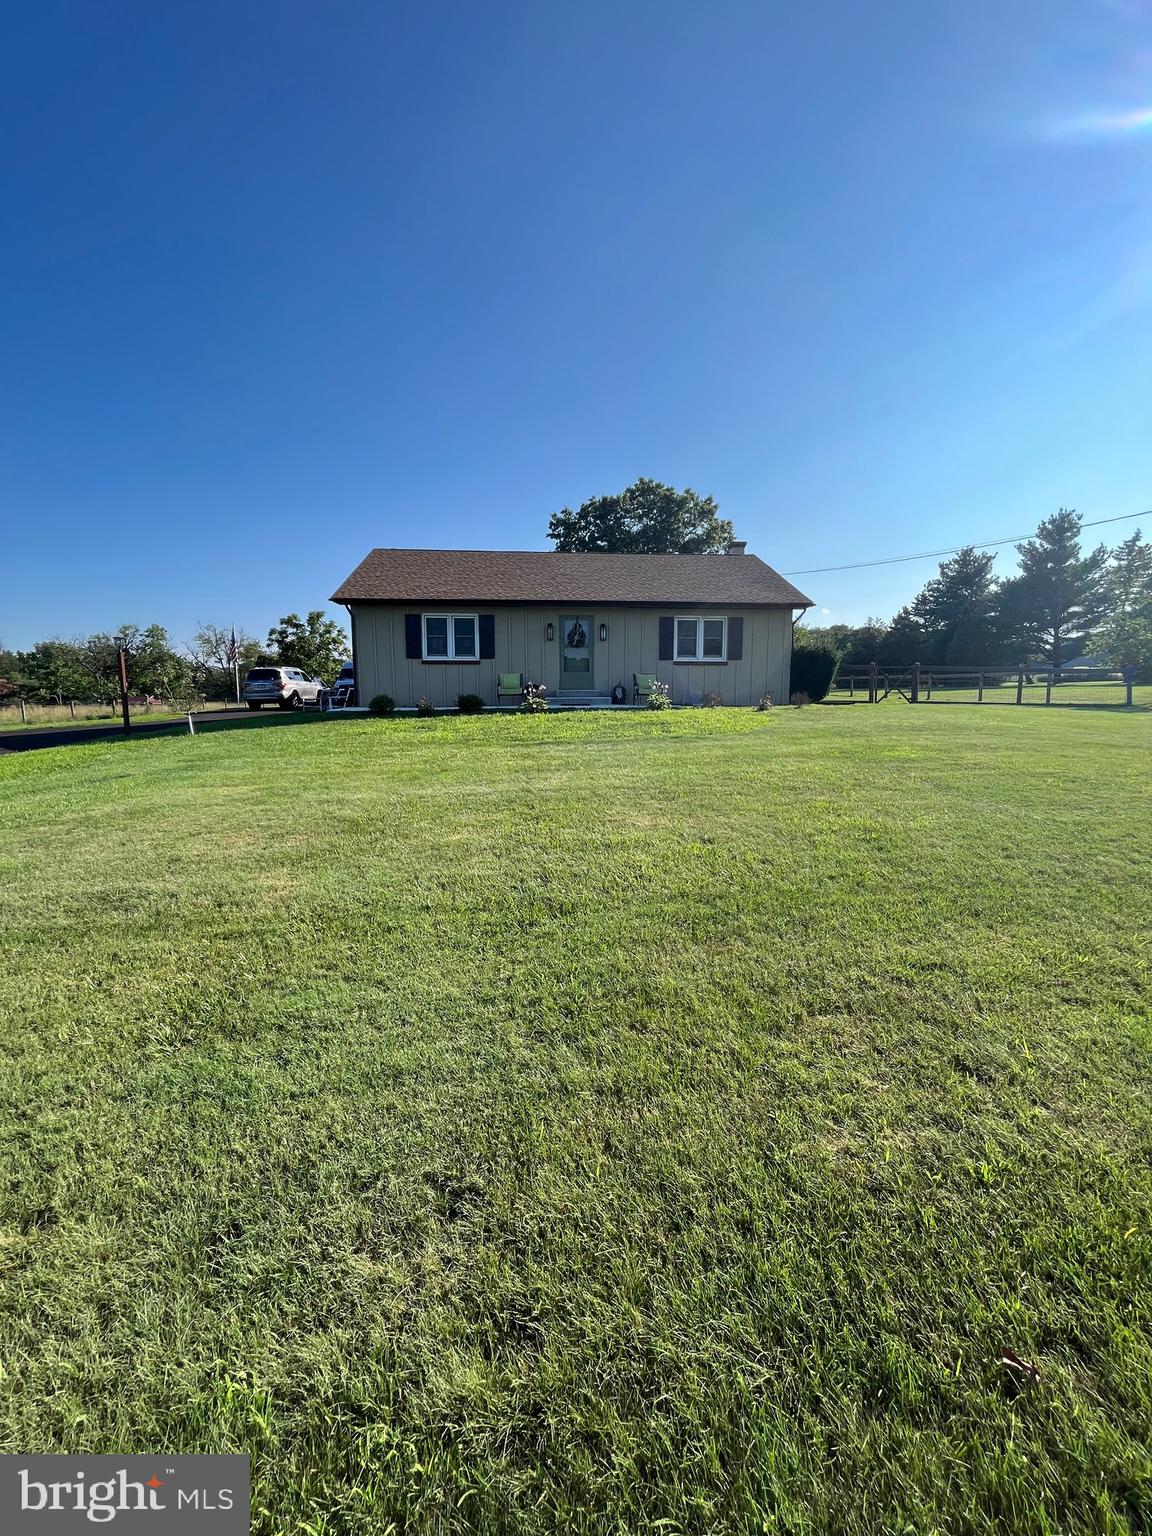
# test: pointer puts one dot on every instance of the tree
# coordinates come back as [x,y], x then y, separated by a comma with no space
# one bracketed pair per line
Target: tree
[11,668]
[904,641]
[55,669]
[316,645]
[1128,581]
[646,519]
[209,654]
[858,644]
[1048,611]
[1125,637]
[155,667]
[955,612]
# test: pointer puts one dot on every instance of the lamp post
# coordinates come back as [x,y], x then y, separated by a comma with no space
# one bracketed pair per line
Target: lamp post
[122,666]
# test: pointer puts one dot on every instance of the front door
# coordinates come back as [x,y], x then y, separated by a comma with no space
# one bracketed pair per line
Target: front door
[576,651]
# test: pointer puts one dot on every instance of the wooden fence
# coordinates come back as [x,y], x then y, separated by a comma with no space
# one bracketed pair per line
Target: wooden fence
[919,684]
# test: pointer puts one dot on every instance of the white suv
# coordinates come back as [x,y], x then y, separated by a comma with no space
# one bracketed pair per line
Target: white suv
[286,686]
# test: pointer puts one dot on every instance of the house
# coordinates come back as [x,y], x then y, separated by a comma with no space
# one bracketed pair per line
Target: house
[442,622]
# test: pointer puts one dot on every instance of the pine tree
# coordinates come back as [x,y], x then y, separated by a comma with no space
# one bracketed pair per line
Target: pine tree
[1126,634]
[904,641]
[1128,583]
[1051,608]
[955,611]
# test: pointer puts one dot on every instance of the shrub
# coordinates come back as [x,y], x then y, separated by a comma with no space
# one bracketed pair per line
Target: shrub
[799,699]
[535,700]
[469,703]
[814,664]
[713,700]
[382,704]
[660,697]
[765,701]
[425,706]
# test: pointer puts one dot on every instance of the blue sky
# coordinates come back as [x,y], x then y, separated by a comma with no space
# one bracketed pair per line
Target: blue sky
[284,281]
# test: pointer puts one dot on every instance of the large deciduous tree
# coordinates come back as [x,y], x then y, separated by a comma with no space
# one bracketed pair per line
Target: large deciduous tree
[210,655]
[858,644]
[316,645]
[54,669]
[646,519]
[1049,611]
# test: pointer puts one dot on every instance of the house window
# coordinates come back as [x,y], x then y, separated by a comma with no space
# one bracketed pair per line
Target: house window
[701,639]
[451,637]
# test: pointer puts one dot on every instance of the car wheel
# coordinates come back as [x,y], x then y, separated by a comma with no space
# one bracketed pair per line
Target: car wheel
[292,702]
[253,706]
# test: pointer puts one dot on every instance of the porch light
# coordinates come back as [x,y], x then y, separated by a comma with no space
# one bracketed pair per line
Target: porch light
[603,631]
[550,632]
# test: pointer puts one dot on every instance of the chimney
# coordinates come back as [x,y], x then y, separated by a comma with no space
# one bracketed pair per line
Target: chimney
[737,547]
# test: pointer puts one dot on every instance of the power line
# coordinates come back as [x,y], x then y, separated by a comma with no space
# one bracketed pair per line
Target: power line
[933,554]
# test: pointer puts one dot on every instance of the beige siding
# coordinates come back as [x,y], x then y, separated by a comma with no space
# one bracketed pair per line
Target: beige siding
[633,645]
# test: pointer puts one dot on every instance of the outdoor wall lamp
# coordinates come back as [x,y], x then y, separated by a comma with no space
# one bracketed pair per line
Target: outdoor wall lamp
[603,631]
[550,632]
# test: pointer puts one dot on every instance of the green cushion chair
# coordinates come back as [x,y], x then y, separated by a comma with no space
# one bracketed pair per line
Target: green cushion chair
[642,683]
[510,686]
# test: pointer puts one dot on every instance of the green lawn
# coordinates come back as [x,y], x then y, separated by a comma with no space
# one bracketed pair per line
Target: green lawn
[590,1124]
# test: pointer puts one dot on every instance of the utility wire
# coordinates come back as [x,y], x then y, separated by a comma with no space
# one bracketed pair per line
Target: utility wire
[932,554]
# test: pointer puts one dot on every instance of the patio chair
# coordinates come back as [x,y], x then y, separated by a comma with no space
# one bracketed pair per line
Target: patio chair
[510,686]
[642,683]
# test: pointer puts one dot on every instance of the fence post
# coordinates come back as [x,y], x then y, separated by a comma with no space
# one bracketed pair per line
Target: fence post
[980,690]
[871,682]
[1129,676]
[1048,689]
[915,682]
[1020,686]
[851,687]
[23,713]
[72,708]
[929,693]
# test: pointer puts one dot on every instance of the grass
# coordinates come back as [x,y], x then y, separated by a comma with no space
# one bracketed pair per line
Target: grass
[592,1125]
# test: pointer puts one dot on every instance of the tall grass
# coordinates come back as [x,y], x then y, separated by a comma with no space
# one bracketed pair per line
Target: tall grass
[80,714]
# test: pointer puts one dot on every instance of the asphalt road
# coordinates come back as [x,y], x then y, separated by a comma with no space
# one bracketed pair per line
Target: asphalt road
[59,736]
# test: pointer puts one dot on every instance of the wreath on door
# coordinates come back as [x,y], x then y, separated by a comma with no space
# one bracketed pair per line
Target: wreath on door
[576,638]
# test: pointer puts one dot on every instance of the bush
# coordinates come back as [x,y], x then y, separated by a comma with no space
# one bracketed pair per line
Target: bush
[660,697]
[382,704]
[799,699]
[425,706]
[535,699]
[469,703]
[713,700]
[814,665]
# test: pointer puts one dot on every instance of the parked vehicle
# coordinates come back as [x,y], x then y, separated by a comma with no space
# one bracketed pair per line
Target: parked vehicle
[286,686]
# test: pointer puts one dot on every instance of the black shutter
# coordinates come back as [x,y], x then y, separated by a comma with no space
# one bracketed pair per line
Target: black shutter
[667,637]
[413,642]
[735,639]
[487,636]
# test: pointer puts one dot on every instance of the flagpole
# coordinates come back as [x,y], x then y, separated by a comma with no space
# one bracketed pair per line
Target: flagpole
[235,663]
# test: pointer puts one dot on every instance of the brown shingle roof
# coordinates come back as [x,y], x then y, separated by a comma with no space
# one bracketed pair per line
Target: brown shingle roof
[542,576]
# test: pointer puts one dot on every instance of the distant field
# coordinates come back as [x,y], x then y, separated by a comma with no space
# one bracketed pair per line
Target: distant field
[678,1123]
[40,715]
[966,691]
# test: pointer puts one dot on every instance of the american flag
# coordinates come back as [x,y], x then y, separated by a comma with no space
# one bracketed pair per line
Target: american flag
[233,649]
